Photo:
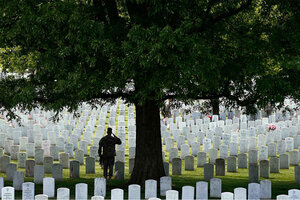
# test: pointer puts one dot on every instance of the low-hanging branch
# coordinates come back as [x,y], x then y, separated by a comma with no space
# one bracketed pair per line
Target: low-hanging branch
[232,12]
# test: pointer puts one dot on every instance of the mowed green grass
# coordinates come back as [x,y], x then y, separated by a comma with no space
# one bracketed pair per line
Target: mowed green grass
[281,182]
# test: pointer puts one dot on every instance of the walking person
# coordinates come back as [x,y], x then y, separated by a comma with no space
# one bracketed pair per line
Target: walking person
[107,156]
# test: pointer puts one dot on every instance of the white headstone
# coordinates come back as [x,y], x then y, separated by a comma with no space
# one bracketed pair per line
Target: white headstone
[206,144]
[172,195]
[1,185]
[97,198]
[150,188]
[294,194]
[41,197]
[18,180]
[263,153]
[185,151]
[282,197]
[253,191]
[134,192]
[215,187]
[49,187]
[117,194]
[240,193]
[100,187]
[8,193]
[165,185]
[63,194]
[265,189]
[28,191]
[188,193]
[226,196]
[81,191]
[201,190]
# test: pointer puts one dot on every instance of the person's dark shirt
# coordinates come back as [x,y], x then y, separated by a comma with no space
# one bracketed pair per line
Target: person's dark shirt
[108,143]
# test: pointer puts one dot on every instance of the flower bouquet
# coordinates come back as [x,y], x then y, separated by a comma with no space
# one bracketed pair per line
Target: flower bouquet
[271,127]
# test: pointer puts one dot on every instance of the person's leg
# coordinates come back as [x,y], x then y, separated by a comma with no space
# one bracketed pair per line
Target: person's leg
[105,168]
[111,166]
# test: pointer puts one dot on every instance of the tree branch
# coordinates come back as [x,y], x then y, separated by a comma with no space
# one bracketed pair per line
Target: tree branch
[99,11]
[137,12]
[200,96]
[112,10]
[231,12]
[206,14]
[212,20]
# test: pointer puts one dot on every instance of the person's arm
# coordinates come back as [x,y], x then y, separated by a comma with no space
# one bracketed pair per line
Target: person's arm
[118,140]
[100,148]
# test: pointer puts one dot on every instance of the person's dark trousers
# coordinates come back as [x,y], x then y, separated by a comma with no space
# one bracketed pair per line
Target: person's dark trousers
[108,164]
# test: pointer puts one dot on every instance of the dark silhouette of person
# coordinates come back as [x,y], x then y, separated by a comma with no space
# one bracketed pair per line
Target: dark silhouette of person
[107,157]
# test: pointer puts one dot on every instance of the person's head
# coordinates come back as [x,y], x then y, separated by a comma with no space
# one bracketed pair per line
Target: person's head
[109,131]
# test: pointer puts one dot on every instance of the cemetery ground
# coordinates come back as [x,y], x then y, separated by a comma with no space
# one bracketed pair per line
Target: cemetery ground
[281,182]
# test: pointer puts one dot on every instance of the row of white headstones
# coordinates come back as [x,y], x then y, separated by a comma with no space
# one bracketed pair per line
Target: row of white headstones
[207,137]
[204,190]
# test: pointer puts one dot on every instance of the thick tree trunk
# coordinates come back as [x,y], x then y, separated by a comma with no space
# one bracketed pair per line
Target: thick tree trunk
[215,106]
[148,156]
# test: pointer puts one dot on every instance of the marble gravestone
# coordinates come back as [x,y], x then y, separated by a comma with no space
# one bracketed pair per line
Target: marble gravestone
[81,191]
[90,166]
[57,172]
[231,164]
[39,174]
[165,185]
[253,173]
[274,165]
[176,166]
[134,192]
[264,168]
[74,169]
[8,193]
[220,167]
[215,187]
[41,197]
[172,195]
[265,189]
[253,191]
[100,187]
[227,196]
[29,168]
[240,193]
[201,159]
[18,180]
[208,171]
[1,185]
[117,194]
[11,169]
[22,157]
[28,191]
[201,190]
[189,163]
[119,170]
[49,187]
[188,192]
[150,188]
[48,164]
[63,194]
[4,161]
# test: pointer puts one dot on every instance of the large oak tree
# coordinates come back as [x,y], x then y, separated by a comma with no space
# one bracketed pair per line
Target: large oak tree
[72,51]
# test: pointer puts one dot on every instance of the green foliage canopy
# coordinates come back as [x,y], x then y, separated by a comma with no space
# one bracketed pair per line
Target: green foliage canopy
[72,51]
